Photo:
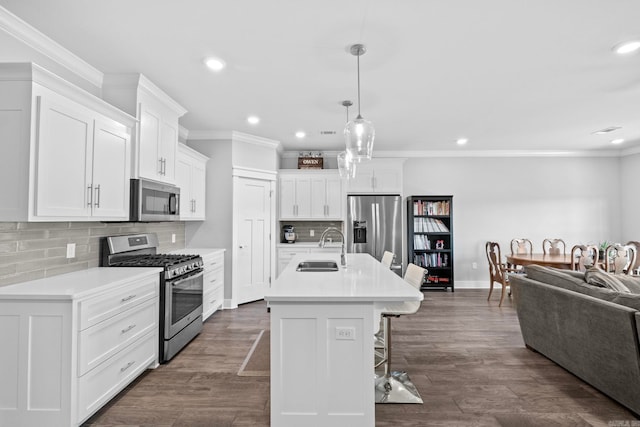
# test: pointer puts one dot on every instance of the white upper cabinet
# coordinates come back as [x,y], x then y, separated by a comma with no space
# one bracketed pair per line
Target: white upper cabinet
[377,176]
[295,196]
[66,153]
[156,137]
[191,168]
[311,195]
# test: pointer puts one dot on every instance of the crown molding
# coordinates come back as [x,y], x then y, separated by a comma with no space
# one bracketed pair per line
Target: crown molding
[630,151]
[25,33]
[496,153]
[196,135]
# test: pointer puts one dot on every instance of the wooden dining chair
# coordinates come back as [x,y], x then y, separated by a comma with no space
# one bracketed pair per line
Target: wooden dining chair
[620,259]
[498,270]
[635,270]
[521,246]
[583,257]
[553,247]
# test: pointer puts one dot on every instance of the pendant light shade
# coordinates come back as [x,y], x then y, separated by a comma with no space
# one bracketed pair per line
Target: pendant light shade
[346,166]
[359,133]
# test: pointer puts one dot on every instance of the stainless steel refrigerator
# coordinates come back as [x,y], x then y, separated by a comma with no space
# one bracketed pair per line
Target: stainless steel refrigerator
[374,225]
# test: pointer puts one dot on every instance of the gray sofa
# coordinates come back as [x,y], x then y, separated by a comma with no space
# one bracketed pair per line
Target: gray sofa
[593,332]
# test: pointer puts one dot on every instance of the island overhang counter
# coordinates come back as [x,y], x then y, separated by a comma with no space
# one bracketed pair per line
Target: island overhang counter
[322,337]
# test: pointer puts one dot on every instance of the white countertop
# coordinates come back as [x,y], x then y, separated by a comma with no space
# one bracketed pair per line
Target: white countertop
[363,279]
[76,285]
[197,251]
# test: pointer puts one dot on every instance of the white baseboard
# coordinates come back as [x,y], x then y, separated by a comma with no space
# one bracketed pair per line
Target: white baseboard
[471,284]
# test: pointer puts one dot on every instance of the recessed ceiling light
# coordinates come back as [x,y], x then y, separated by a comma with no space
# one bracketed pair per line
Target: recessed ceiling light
[627,47]
[607,130]
[462,141]
[617,141]
[300,134]
[254,120]
[214,64]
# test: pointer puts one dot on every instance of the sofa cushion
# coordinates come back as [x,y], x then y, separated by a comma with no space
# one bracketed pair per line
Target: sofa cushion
[629,300]
[572,273]
[631,282]
[597,277]
[569,280]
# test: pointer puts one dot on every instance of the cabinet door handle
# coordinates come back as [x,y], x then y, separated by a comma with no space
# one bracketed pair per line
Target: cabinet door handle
[128,328]
[164,166]
[89,195]
[160,165]
[125,299]
[97,195]
[127,366]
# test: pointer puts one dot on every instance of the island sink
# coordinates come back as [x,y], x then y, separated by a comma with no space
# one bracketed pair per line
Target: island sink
[317,266]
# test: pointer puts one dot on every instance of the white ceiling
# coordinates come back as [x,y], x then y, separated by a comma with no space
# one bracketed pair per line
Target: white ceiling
[507,74]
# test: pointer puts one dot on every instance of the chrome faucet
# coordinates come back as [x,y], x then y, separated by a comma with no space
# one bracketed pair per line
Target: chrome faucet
[343,258]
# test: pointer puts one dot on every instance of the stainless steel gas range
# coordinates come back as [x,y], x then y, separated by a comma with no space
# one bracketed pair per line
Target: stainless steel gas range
[180,286]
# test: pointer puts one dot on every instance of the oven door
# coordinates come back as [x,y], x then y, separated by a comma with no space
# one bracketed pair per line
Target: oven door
[183,302]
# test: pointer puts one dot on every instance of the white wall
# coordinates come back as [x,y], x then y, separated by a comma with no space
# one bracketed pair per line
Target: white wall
[216,231]
[498,199]
[630,205]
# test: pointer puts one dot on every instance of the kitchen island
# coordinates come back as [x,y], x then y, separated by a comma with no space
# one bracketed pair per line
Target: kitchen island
[322,327]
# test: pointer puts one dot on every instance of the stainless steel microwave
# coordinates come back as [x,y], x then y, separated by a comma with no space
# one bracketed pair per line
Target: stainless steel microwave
[153,201]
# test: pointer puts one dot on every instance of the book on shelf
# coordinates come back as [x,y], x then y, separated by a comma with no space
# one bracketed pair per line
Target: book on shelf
[431,260]
[423,207]
[426,225]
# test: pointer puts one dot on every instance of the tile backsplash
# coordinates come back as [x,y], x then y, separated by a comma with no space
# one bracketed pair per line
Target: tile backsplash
[303,229]
[33,250]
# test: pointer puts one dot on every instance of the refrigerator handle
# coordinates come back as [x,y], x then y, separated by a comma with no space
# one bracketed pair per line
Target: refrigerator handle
[377,226]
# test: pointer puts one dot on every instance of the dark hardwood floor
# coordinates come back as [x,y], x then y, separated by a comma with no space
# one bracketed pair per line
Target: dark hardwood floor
[464,354]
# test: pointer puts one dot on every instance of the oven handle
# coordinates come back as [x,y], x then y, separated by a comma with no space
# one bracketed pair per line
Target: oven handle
[193,276]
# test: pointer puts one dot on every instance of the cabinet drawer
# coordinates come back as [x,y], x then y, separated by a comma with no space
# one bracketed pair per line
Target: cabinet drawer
[213,280]
[99,342]
[213,262]
[102,307]
[211,302]
[100,384]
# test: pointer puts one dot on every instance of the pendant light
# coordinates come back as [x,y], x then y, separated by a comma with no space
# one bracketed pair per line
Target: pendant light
[346,165]
[359,133]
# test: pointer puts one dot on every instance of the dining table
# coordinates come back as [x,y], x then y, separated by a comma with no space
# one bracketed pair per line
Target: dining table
[547,260]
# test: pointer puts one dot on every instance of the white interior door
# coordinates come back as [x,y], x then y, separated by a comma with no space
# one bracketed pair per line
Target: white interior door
[253,246]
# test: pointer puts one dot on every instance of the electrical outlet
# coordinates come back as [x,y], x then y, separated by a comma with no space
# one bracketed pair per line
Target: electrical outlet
[474,265]
[71,250]
[312,233]
[173,237]
[345,333]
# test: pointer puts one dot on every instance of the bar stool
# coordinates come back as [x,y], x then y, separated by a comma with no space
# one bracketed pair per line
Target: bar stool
[395,386]
[387,258]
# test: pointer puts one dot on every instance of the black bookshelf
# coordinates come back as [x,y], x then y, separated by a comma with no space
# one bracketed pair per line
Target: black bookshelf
[430,239]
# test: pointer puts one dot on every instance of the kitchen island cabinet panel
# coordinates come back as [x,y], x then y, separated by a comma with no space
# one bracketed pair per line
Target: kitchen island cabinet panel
[322,346]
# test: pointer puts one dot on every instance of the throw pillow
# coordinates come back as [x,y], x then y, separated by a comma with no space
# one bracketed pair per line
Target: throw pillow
[597,277]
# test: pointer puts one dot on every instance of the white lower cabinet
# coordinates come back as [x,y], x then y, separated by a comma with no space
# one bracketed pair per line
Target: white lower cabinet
[213,286]
[98,386]
[66,354]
